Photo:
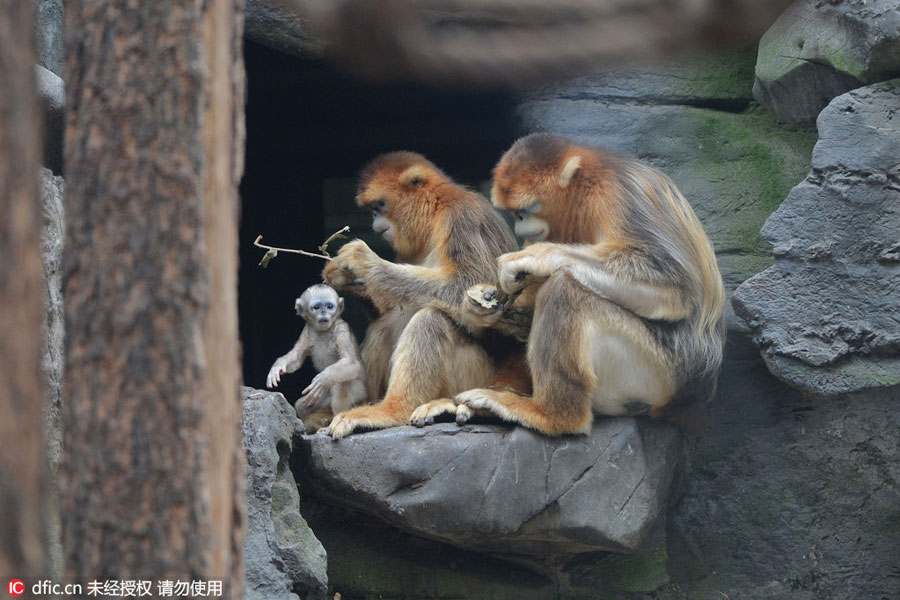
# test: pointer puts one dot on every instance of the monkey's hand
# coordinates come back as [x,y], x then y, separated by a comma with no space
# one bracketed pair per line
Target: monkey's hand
[314,393]
[517,270]
[352,264]
[340,276]
[481,307]
[274,377]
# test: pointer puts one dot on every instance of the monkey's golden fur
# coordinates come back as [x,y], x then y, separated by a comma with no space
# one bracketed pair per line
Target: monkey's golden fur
[446,238]
[628,300]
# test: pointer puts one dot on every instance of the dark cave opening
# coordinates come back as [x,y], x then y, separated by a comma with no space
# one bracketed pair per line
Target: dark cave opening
[310,128]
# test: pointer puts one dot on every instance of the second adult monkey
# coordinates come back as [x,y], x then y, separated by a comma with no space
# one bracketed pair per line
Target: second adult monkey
[446,238]
[628,309]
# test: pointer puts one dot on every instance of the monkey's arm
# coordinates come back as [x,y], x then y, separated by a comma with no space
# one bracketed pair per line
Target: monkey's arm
[389,284]
[481,309]
[621,276]
[290,362]
[346,368]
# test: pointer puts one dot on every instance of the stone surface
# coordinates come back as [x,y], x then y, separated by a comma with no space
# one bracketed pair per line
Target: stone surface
[284,558]
[820,49]
[52,91]
[271,25]
[503,489]
[786,497]
[825,315]
[722,80]
[48,34]
[782,498]
[370,559]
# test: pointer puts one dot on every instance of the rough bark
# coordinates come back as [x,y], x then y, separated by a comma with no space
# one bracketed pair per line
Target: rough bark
[153,470]
[22,455]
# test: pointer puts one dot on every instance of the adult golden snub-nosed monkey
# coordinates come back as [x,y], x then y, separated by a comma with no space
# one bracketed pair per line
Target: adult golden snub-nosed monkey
[446,238]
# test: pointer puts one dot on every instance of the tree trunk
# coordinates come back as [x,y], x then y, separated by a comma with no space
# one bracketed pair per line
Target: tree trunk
[153,469]
[23,473]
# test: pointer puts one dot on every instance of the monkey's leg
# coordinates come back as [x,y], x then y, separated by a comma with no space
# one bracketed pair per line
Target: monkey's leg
[317,419]
[513,376]
[512,382]
[347,394]
[586,354]
[561,364]
[303,408]
[377,348]
[508,405]
[341,398]
[433,359]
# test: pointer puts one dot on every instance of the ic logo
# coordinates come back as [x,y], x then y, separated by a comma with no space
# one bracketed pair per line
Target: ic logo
[16,587]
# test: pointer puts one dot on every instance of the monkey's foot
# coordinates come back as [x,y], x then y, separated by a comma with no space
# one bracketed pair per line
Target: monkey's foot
[362,417]
[463,414]
[481,399]
[425,414]
[525,410]
[316,420]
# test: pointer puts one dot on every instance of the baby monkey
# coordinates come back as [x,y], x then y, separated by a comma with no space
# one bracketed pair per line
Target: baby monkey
[341,382]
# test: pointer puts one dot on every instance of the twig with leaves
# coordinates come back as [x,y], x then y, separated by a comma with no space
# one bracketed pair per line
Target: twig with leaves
[272,251]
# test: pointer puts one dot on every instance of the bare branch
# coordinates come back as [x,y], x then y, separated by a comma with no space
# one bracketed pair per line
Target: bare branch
[274,250]
[292,251]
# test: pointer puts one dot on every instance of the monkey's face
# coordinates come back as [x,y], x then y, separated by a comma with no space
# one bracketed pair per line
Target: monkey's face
[320,310]
[541,194]
[397,201]
[387,219]
[521,188]
[530,218]
[529,225]
[381,222]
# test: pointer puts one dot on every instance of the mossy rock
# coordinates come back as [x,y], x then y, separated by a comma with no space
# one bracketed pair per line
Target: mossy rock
[817,51]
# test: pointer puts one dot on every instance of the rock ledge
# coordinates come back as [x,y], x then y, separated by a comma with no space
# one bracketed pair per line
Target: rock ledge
[503,489]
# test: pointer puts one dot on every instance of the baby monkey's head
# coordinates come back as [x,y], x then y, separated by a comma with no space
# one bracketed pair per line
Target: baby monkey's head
[320,306]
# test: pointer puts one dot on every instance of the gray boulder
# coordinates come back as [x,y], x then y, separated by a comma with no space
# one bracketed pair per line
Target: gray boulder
[825,315]
[786,497]
[283,556]
[820,49]
[505,490]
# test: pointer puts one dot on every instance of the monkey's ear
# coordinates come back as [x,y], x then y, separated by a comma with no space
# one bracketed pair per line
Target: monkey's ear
[340,305]
[414,176]
[568,171]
